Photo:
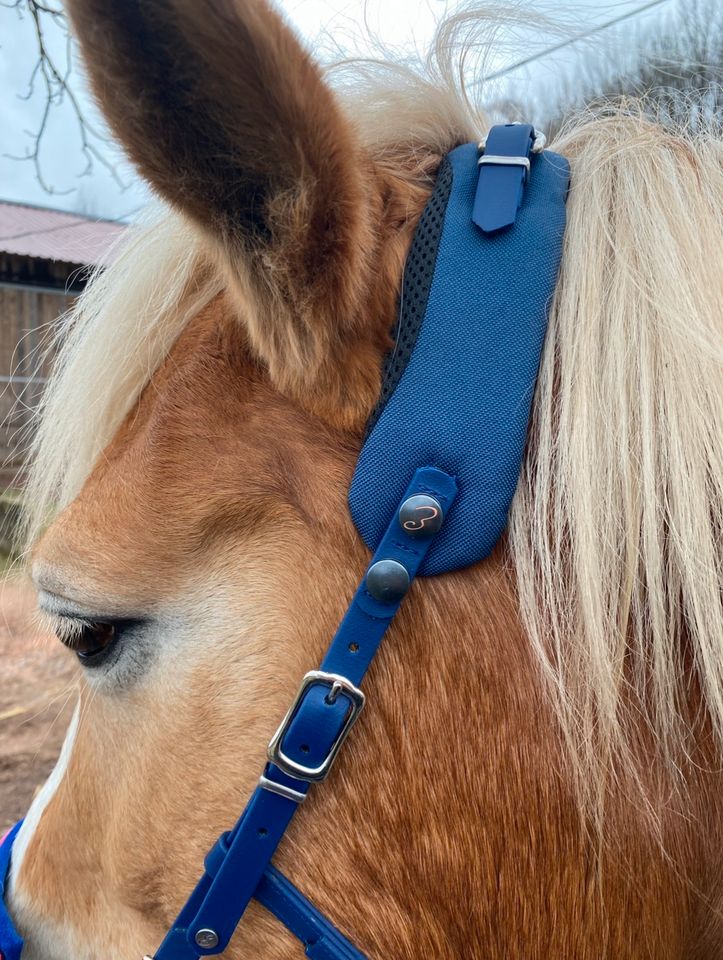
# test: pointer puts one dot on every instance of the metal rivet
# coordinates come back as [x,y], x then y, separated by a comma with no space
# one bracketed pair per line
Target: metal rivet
[387,581]
[206,938]
[421,516]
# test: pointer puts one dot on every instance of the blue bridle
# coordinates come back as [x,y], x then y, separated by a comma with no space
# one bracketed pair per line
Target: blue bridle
[431,493]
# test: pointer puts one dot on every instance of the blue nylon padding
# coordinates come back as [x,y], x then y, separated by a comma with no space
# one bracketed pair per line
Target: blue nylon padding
[463,401]
[11,944]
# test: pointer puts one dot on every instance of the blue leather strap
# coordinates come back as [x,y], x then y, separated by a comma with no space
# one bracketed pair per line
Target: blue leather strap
[500,185]
[11,943]
[320,717]
[321,940]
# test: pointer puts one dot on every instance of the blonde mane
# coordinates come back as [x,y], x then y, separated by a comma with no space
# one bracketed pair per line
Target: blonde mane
[616,528]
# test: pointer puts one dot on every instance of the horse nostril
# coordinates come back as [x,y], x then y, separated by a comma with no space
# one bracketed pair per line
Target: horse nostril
[87,639]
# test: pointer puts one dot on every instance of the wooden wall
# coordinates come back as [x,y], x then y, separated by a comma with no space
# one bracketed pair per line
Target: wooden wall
[27,315]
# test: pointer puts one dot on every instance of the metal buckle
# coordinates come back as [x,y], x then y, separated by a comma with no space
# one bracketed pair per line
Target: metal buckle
[337,685]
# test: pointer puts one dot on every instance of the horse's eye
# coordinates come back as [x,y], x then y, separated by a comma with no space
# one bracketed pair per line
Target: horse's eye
[87,639]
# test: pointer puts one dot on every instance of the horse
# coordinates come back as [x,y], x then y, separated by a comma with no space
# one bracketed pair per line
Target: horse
[538,772]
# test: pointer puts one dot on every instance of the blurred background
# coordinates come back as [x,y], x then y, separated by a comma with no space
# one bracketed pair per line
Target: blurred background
[66,193]
[67,161]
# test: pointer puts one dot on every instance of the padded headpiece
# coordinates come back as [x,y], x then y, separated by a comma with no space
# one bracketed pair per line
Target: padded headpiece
[459,384]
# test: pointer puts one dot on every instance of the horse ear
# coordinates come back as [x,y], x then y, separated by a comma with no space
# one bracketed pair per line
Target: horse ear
[230,120]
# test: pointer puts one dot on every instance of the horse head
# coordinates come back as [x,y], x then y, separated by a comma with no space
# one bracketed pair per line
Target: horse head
[197,444]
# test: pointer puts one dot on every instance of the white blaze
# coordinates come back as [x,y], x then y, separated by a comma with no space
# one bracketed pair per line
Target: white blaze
[41,801]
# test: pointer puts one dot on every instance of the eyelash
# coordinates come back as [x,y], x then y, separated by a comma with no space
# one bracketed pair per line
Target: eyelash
[88,638]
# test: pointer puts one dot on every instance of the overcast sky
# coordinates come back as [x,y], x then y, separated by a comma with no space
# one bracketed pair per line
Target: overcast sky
[402,23]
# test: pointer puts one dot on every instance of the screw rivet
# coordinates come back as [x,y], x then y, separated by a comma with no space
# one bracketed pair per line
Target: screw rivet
[421,516]
[206,938]
[387,581]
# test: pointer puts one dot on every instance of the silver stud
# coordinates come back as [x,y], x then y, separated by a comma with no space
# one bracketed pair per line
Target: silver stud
[206,938]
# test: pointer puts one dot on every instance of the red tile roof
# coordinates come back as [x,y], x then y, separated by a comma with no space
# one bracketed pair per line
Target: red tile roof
[55,235]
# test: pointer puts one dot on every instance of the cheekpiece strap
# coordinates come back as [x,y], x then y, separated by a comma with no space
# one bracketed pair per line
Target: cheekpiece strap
[304,747]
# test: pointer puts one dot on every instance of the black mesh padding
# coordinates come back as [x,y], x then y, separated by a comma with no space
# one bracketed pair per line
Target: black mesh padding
[416,284]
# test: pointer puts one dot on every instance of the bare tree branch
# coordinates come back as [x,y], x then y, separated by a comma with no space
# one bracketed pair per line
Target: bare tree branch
[58,89]
[672,68]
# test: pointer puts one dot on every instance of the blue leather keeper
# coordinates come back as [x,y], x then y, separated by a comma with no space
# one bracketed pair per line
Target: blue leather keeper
[500,185]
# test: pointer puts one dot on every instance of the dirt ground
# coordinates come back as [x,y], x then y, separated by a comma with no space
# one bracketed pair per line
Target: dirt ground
[37,694]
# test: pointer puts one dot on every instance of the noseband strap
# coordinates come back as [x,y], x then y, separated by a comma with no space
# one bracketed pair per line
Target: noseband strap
[321,940]
[11,943]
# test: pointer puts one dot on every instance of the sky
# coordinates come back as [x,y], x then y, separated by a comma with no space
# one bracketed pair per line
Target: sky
[404,24]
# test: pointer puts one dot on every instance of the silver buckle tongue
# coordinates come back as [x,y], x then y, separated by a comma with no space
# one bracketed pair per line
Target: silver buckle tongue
[337,685]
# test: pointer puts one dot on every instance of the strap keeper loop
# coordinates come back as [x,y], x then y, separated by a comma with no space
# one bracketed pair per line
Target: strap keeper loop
[505,162]
[281,789]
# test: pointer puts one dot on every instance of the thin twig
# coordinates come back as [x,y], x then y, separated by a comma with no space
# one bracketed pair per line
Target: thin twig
[58,88]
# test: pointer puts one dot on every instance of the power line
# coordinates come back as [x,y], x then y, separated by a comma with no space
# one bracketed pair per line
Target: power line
[579,36]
